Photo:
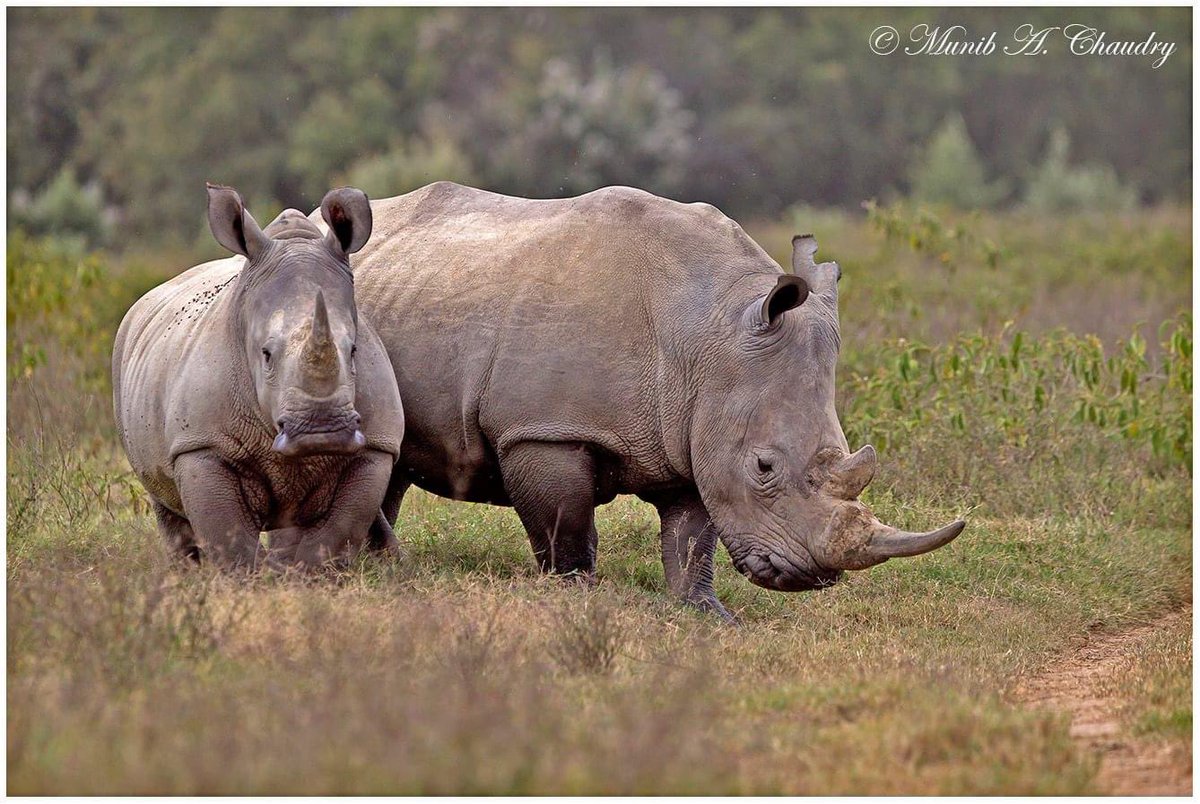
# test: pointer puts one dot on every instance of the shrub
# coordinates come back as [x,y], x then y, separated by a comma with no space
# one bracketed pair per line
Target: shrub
[927,234]
[48,282]
[410,164]
[320,147]
[618,125]
[1008,380]
[951,172]
[66,209]
[1057,187]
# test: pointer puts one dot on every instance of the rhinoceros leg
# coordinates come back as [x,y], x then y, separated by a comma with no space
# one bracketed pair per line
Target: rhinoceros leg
[215,504]
[347,525]
[689,542]
[176,532]
[382,538]
[552,486]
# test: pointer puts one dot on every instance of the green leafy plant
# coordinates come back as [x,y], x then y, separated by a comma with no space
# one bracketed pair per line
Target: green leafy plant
[928,234]
[46,282]
[410,164]
[1011,386]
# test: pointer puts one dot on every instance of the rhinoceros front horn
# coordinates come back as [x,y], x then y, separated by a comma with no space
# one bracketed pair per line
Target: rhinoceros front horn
[319,334]
[320,354]
[891,543]
[855,540]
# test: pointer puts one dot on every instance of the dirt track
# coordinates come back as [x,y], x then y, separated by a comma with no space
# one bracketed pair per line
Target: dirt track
[1075,685]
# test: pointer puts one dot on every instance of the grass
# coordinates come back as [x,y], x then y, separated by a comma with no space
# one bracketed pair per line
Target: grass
[1156,686]
[460,670]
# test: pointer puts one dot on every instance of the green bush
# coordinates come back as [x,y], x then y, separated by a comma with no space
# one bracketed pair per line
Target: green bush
[321,145]
[47,281]
[411,164]
[951,172]
[1057,187]
[930,236]
[613,125]
[1013,385]
[66,209]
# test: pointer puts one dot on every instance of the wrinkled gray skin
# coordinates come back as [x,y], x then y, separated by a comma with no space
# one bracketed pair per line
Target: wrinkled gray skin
[553,354]
[251,396]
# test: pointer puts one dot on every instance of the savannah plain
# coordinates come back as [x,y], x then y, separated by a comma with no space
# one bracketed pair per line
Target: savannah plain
[1032,373]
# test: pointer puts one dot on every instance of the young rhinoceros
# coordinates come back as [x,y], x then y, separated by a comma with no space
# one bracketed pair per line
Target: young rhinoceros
[250,395]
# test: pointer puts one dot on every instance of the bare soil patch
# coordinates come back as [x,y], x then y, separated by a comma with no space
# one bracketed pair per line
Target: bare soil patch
[1076,684]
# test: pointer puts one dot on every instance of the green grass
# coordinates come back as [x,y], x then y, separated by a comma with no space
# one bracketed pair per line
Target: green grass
[460,670]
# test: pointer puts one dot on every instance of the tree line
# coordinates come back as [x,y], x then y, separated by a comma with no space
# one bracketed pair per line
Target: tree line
[131,110]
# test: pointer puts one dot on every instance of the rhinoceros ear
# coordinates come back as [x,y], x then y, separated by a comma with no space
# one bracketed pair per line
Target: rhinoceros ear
[804,262]
[804,250]
[789,292]
[348,213]
[232,225]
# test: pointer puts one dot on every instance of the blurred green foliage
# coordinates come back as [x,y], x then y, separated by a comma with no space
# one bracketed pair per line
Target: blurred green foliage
[929,235]
[66,209]
[752,110]
[58,293]
[1057,186]
[618,125]
[408,165]
[950,171]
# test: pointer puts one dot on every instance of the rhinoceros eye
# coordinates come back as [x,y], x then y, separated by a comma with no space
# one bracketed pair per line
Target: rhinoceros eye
[266,355]
[764,472]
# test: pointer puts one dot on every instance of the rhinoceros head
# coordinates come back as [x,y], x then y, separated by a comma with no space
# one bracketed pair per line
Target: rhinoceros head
[296,316]
[769,456]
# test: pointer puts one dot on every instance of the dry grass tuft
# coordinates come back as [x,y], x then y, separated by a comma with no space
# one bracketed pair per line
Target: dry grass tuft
[588,637]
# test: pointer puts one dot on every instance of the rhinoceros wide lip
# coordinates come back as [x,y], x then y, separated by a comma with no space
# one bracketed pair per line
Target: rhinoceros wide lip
[770,571]
[344,441]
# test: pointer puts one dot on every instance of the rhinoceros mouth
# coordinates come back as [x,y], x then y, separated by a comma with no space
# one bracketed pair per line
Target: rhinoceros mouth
[772,571]
[332,442]
[337,434]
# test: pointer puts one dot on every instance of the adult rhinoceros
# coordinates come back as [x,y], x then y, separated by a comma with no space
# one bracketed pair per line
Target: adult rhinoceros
[553,354]
[250,396]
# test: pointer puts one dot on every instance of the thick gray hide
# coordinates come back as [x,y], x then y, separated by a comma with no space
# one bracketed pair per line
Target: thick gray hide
[250,395]
[552,354]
